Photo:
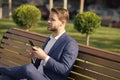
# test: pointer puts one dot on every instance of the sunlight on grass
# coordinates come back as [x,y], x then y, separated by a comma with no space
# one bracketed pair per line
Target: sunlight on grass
[104,37]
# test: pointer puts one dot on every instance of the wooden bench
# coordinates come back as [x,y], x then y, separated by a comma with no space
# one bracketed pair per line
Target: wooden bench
[91,63]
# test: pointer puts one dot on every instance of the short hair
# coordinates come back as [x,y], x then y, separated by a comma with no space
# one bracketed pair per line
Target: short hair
[61,12]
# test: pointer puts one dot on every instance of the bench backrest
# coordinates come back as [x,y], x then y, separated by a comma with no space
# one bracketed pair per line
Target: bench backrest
[91,63]
[15,46]
[96,64]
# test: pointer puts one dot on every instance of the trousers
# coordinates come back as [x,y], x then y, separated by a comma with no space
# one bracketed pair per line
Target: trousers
[28,71]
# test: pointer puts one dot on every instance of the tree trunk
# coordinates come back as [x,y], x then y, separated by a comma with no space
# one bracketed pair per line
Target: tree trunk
[81,6]
[51,4]
[10,8]
[87,39]
[0,9]
[65,4]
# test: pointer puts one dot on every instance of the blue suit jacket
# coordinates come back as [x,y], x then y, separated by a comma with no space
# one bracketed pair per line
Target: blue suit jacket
[62,57]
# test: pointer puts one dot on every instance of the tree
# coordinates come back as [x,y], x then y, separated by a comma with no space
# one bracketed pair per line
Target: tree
[25,16]
[86,23]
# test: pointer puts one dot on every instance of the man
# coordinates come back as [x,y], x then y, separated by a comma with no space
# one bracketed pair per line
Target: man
[55,60]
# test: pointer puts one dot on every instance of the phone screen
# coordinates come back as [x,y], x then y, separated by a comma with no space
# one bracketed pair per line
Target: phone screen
[31,43]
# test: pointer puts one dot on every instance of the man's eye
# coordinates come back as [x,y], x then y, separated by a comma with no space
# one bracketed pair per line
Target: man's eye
[52,19]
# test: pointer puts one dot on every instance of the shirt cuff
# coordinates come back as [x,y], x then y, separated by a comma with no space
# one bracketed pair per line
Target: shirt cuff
[46,60]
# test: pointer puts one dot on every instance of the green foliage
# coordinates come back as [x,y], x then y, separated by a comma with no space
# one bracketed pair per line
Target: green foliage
[103,37]
[25,16]
[87,22]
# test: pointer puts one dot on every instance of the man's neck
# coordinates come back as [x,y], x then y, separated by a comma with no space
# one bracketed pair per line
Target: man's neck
[56,33]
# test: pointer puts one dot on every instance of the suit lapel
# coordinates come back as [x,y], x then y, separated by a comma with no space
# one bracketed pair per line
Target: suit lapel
[57,43]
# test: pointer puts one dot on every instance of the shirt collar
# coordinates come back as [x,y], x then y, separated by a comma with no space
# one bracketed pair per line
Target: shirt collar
[56,36]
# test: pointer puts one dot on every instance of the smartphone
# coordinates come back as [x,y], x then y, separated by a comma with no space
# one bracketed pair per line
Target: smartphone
[31,43]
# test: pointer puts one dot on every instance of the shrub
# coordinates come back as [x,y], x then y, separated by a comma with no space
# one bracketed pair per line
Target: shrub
[25,16]
[86,23]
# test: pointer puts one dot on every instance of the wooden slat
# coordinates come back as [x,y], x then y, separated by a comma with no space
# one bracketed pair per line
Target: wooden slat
[15,60]
[20,51]
[101,53]
[99,60]
[77,77]
[15,44]
[20,44]
[102,70]
[23,39]
[16,37]
[28,34]
[17,47]
[14,56]
[7,63]
[91,74]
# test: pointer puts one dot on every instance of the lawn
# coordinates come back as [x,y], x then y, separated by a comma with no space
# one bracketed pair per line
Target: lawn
[105,38]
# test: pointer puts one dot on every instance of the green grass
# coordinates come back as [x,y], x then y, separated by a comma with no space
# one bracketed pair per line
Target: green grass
[105,38]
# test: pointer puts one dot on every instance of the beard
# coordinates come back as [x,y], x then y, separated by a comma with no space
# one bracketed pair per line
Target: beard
[52,29]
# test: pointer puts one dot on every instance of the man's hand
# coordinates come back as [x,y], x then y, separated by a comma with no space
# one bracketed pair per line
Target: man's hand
[38,53]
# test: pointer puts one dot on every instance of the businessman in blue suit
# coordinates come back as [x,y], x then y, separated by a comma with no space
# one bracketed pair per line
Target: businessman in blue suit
[55,60]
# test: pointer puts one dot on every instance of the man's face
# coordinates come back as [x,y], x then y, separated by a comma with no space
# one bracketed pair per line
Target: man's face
[53,22]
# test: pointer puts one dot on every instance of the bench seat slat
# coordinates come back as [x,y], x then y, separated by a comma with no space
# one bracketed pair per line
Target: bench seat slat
[77,77]
[98,69]
[90,74]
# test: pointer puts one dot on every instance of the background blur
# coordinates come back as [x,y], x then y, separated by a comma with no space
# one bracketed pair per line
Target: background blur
[109,10]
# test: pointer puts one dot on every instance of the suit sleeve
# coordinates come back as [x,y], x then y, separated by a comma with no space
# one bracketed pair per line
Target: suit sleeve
[68,57]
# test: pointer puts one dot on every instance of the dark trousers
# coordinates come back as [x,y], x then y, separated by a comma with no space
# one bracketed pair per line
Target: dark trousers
[27,71]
